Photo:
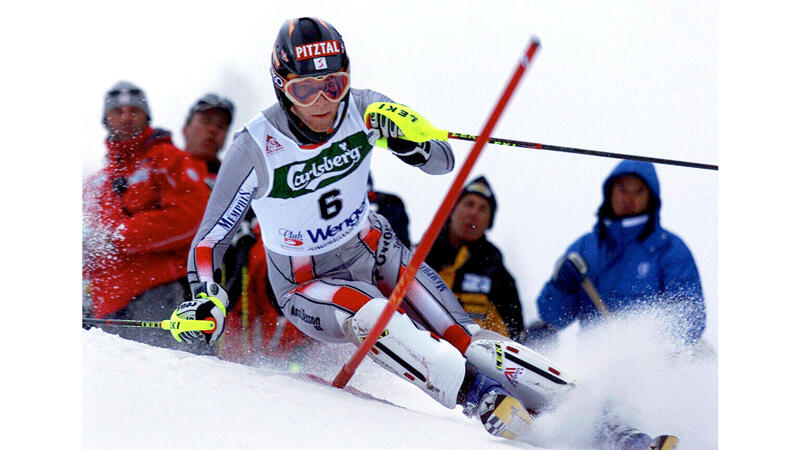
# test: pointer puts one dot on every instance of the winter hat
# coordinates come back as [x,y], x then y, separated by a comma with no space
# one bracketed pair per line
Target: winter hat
[211,101]
[480,186]
[125,93]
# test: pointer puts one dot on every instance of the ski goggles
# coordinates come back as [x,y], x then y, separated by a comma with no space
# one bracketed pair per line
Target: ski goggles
[306,90]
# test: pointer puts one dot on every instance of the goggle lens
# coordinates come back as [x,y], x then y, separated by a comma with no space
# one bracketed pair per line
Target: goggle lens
[305,91]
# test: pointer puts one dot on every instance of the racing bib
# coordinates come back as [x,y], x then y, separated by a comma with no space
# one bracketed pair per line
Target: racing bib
[317,198]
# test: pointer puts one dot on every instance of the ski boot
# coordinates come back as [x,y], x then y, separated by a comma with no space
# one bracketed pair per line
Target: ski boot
[501,414]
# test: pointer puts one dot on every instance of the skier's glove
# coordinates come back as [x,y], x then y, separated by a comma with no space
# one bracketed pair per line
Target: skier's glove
[412,153]
[570,272]
[210,302]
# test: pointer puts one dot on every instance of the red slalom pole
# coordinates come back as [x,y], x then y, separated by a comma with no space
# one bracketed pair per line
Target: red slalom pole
[439,219]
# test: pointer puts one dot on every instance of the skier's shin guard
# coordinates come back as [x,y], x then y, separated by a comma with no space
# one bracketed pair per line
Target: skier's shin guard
[525,374]
[432,364]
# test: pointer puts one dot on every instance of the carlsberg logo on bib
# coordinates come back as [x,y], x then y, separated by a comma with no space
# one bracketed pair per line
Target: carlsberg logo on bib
[329,166]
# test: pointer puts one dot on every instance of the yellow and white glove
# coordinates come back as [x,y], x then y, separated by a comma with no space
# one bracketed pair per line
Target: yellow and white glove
[413,153]
[210,303]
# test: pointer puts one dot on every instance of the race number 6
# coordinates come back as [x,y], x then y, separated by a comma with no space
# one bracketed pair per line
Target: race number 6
[330,204]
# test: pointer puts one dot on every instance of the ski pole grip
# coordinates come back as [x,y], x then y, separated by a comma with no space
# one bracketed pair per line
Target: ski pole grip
[415,128]
[176,325]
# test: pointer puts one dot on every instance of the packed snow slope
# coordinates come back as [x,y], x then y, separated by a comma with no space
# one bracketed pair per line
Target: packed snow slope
[137,396]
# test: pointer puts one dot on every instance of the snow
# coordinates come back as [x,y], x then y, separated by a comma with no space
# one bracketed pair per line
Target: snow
[136,396]
[631,77]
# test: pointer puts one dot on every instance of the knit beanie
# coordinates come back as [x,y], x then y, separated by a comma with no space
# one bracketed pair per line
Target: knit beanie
[125,93]
[480,186]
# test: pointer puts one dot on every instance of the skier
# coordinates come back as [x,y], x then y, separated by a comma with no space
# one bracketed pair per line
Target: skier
[302,166]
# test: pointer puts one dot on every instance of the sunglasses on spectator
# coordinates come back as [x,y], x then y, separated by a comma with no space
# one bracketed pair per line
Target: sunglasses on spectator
[117,92]
[306,90]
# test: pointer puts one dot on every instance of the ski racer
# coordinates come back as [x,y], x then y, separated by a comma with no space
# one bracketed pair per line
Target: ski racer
[302,166]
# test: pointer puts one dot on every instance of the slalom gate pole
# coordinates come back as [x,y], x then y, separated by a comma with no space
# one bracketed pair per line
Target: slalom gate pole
[425,245]
[556,148]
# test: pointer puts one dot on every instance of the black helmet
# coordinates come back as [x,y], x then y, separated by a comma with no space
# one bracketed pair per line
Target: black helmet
[307,47]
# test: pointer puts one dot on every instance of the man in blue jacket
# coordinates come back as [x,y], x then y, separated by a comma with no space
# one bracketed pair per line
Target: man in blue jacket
[631,260]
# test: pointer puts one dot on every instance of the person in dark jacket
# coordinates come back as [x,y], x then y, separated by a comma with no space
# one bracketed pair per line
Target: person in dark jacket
[630,259]
[473,267]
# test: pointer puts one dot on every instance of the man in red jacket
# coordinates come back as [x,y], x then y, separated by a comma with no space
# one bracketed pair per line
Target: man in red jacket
[140,213]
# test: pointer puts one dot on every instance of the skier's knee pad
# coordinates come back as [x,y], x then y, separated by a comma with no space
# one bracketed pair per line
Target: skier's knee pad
[525,374]
[416,355]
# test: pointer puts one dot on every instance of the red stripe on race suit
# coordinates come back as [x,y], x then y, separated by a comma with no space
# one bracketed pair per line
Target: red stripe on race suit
[371,238]
[204,260]
[350,298]
[456,335]
[301,266]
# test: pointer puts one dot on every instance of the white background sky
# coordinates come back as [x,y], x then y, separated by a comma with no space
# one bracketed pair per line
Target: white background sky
[638,77]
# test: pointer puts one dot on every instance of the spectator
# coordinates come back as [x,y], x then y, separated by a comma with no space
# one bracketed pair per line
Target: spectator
[392,208]
[473,267]
[205,131]
[631,260]
[140,213]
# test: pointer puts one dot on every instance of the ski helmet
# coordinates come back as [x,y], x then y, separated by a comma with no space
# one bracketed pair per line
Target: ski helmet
[307,47]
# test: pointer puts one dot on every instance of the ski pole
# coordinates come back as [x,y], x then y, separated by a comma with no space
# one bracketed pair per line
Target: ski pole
[591,291]
[416,128]
[174,324]
[556,148]
[424,247]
